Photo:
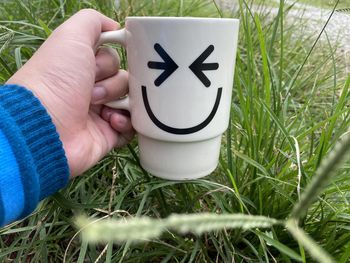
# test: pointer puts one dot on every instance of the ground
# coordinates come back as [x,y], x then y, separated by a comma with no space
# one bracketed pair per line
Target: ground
[337,29]
[290,107]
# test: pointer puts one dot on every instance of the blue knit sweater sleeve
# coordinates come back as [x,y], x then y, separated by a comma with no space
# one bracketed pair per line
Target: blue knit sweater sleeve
[32,160]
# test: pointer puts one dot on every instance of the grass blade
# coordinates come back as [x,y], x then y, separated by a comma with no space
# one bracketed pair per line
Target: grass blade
[82,253]
[281,247]
[346,256]
[315,250]
[18,57]
[323,175]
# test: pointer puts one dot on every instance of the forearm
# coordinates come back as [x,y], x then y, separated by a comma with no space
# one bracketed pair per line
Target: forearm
[32,160]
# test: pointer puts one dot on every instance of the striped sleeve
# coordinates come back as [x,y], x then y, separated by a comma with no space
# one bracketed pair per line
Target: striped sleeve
[11,188]
[33,163]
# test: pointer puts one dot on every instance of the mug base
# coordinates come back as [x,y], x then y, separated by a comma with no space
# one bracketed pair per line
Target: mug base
[179,160]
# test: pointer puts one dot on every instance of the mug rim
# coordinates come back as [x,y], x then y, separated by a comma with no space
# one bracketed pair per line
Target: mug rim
[183,18]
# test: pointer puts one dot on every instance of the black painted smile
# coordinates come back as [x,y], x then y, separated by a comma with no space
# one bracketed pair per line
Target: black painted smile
[181,131]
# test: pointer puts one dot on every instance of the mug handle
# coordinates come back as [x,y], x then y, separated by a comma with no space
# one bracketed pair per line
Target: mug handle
[115,37]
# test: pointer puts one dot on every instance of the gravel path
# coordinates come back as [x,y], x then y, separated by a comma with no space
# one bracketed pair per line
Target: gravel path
[338,29]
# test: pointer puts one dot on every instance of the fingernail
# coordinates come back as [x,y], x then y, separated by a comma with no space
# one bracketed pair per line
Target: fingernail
[121,120]
[98,93]
[107,115]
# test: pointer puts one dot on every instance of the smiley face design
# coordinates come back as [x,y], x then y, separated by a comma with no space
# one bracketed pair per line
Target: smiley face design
[169,67]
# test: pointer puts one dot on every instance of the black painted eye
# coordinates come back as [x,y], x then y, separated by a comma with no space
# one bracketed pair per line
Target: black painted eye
[169,66]
[198,66]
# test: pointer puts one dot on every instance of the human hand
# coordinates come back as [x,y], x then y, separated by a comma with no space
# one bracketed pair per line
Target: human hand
[72,82]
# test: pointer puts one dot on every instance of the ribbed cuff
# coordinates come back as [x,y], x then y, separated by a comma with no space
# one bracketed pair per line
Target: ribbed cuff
[40,136]
[27,173]
[11,187]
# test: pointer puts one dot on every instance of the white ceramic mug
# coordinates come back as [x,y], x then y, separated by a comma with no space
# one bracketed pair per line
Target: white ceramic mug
[180,85]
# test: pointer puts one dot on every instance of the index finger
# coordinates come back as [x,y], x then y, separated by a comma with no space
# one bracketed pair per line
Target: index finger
[87,26]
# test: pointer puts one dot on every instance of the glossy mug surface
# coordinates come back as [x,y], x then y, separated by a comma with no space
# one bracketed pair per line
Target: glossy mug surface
[180,85]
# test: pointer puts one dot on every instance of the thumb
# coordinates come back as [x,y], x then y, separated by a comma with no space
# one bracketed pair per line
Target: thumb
[86,26]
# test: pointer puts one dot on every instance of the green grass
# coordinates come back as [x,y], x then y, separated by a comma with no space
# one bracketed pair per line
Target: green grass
[288,112]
